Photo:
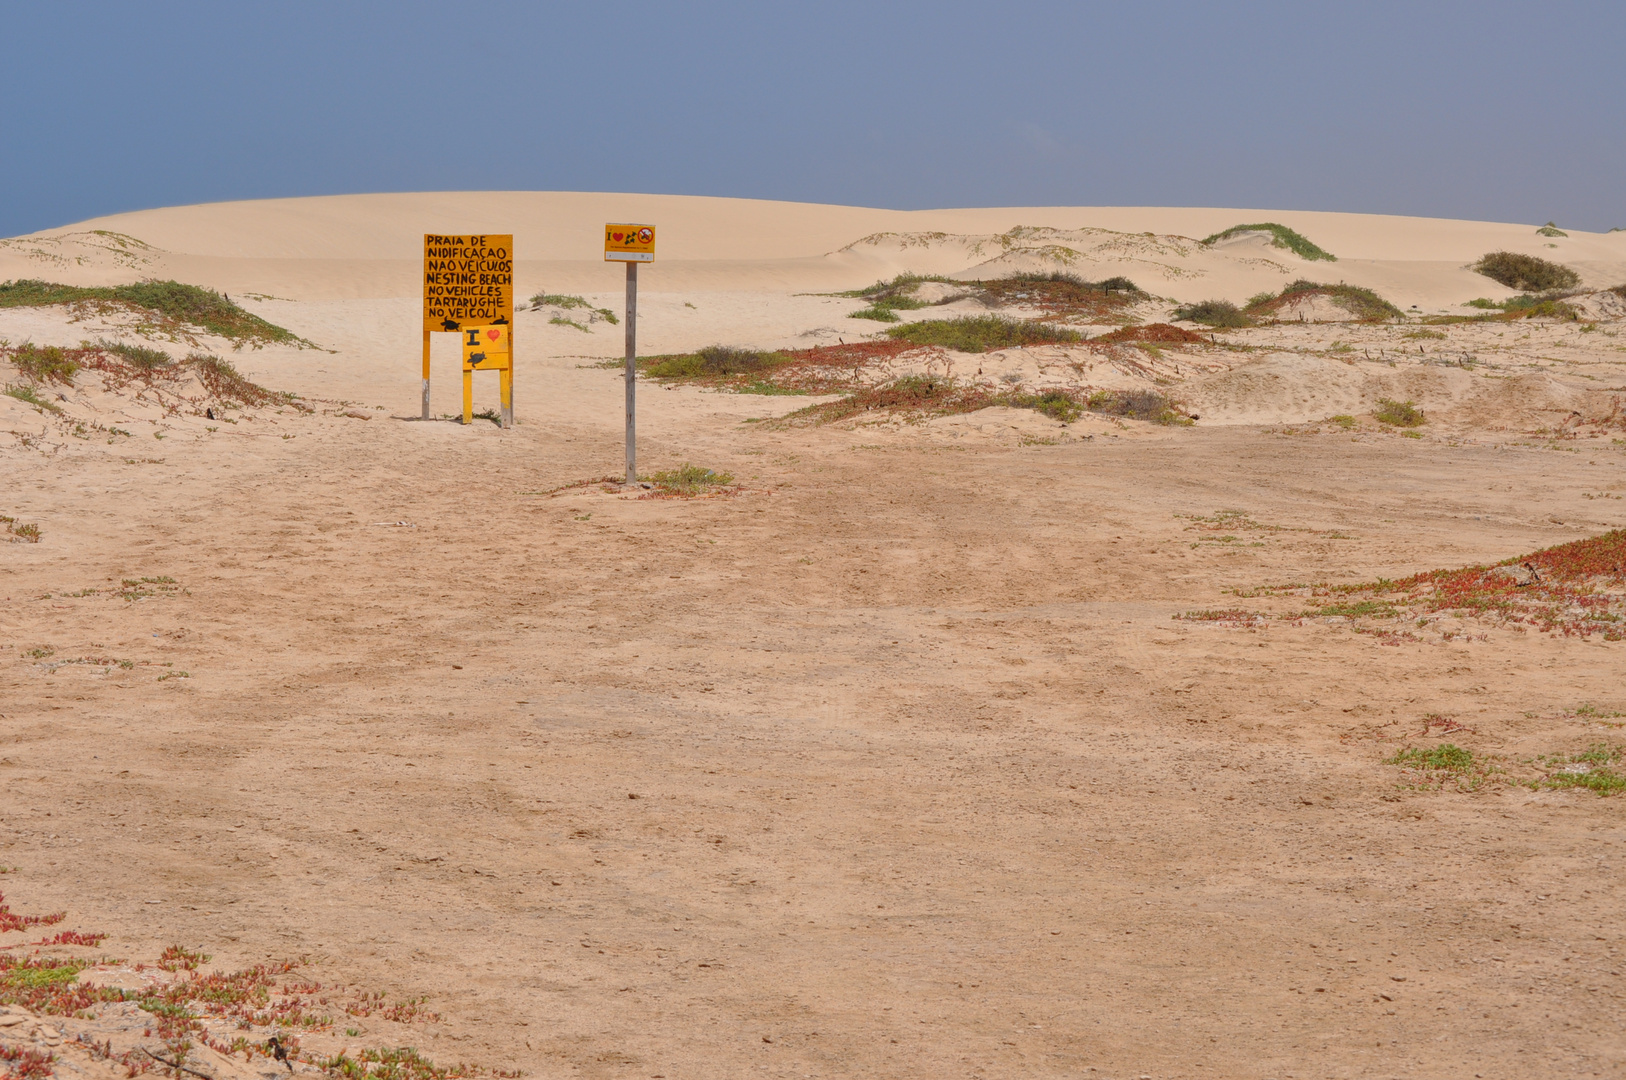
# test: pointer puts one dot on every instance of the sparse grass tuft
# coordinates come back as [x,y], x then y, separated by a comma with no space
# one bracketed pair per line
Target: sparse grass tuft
[1528,273]
[1398,413]
[1137,405]
[689,480]
[227,385]
[1343,420]
[570,303]
[1592,769]
[1434,767]
[981,333]
[1282,237]
[1550,229]
[30,396]
[1063,296]
[21,533]
[1218,313]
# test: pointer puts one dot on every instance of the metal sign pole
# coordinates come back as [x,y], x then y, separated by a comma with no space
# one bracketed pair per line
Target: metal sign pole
[632,373]
[426,374]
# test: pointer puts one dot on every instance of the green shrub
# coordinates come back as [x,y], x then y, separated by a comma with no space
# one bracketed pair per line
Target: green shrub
[1218,313]
[47,364]
[1527,273]
[1551,229]
[981,333]
[1282,237]
[1398,413]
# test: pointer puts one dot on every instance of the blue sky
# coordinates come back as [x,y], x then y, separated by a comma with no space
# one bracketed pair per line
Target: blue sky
[1497,111]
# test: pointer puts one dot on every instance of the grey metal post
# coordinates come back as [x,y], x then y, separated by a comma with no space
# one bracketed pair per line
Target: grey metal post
[632,373]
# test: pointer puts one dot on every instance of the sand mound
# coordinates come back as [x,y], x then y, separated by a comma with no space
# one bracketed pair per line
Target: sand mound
[1296,389]
[1604,306]
[1316,308]
[94,396]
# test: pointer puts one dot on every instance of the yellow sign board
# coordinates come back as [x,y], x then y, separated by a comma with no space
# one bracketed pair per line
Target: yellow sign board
[486,348]
[629,243]
[467,281]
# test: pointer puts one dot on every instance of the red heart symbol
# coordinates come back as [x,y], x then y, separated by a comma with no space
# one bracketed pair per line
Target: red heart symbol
[617,237]
[493,334]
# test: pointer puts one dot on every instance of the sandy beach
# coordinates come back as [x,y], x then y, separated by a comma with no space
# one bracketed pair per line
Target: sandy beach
[976,744]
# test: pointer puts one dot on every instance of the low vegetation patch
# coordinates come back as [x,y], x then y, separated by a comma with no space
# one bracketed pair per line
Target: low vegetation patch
[1148,405]
[44,364]
[826,369]
[1435,767]
[174,305]
[1550,229]
[1527,273]
[267,1007]
[688,481]
[19,532]
[886,298]
[1404,414]
[911,397]
[1152,334]
[714,361]
[1572,590]
[1060,296]
[1056,404]
[573,303]
[981,333]
[1595,768]
[123,365]
[1364,304]
[29,395]
[1282,237]
[1217,313]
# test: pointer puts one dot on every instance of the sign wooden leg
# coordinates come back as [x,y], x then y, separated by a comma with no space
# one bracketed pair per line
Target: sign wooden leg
[468,397]
[507,385]
[632,373]
[426,374]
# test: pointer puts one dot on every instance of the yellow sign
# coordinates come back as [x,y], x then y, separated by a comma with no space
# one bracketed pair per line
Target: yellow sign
[467,280]
[629,243]
[485,348]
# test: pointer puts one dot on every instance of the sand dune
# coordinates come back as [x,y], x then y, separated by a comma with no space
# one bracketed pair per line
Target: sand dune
[357,246]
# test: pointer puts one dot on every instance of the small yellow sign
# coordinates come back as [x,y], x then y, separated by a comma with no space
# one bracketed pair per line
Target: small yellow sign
[467,281]
[485,348]
[629,243]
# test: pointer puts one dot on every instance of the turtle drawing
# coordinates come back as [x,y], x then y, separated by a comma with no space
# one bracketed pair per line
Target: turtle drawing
[499,321]
[477,358]
[450,324]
